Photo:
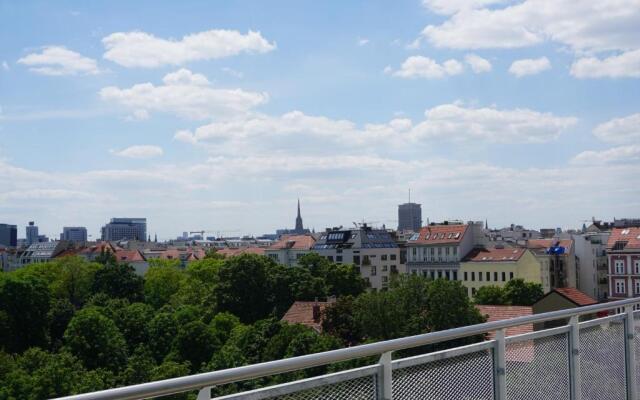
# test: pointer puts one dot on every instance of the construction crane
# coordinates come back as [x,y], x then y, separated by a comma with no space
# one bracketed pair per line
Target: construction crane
[217,233]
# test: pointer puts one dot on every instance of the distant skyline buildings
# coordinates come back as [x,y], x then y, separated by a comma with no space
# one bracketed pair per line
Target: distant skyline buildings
[31,233]
[8,235]
[409,216]
[74,234]
[125,229]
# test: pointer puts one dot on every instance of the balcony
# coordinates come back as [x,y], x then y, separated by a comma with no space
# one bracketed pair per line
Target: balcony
[590,360]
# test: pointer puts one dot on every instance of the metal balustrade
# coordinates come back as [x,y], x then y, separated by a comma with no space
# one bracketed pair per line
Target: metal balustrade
[589,360]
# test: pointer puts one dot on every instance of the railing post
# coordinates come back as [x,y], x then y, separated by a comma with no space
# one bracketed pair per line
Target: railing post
[205,393]
[630,353]
[385,384]
[574,359]
[500,366]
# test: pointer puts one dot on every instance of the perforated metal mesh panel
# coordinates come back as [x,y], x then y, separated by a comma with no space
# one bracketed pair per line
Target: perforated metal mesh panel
[602,362]
[636,339]
[469,376]
[364,388]
[538,369]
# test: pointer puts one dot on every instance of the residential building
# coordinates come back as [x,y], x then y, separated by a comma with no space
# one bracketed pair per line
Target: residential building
[560,299]
[409,217]
[8,235]
[125,229]
[42,252]
[290,248]
[77,234]
[32,233]
[558,257]
[499,265]
[591,263]
[135,258]
[623,250]
[499,313]
[374,251]
[308,313]
[514,234]
[437,249]
[232,252]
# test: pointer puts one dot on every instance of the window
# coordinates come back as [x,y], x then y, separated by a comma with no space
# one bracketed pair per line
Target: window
[619,266]
[465,276]
[433,274]
[385,279]
[439,274]
[636,286]
[392,257]
[446,250]
[455,251]
[480,276]
[495,277]
[383,257]
[439,250]
[356,260]
[636,267]
[373,270]
[339,259]
[414,271]
[433,251]
[384,268]
[510,276]
[488,276]
[504,277]
[473,276]
[273,257]
[473,291]
[620,286]
[455,275]
[330,258]
[414,251]
[394,269]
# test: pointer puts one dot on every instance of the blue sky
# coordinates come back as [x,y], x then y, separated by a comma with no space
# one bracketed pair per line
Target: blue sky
[218,115]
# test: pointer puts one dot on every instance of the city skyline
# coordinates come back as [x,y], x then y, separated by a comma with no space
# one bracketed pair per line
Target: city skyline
[230,112]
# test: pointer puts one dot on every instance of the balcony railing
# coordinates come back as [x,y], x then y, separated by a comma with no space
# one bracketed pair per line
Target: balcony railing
[590,360]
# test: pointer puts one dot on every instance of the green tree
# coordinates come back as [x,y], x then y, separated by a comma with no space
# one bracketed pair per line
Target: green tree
[59,315]
[491,294]
[196,343]
[521,293]
[25,303]
[119,281]
[162,329]
[449,306]
[338,320]
[133,323]
[339,279]
[96,340]
[222,325]
[160,283]
[171,369]
[139,367]
[106,257]
[75,279]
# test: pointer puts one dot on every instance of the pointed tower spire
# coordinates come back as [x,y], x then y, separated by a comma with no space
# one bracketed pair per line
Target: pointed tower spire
[299,228]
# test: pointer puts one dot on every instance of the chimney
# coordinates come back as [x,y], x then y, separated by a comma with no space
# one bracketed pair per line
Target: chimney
[316,311]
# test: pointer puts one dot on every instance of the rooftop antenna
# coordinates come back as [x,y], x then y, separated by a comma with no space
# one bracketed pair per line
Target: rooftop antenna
[409,195]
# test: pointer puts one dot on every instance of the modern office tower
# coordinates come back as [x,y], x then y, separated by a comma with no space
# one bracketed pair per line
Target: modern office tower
[32,233]
[409,217]
[74,234]
[8,235]
[125,229]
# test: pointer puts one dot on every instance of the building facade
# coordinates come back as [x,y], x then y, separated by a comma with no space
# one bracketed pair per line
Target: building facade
[558,257]
[409,217]
[8,235]
[498,265]
[125,229]
[32,233]
[76,234]
[623,251]
[591,263]
[374,251]
[288,250]
[436,250]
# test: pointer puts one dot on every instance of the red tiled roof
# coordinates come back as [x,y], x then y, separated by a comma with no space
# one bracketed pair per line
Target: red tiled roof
[576,296]
[228,252]
[295,242]
[69,252]
[439,234]
[629,235]
[301,312]
[507,254]
[499,313]
[546,243]
[170,254]
[129,256]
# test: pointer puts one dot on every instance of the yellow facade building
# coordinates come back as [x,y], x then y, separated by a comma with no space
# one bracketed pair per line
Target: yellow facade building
[497,266]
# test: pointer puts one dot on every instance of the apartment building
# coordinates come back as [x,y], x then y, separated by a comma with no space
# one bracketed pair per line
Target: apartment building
[290,248]
[436,250]
[623,250]
[374,251]
[499,265]
[557,256]
[591,263]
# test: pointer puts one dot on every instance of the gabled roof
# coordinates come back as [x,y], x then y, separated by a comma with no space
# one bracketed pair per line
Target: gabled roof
[575,296]
[492,254]
[439,234]
[129,256]
[242,250]
[499,313]
[625,238]
[301,312]
[294,242]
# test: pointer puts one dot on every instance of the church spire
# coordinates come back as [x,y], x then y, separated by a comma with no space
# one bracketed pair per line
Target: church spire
[299,227]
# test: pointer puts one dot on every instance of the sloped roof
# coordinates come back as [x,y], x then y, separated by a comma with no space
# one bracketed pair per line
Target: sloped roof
[574,295]
[301,312]
[228,252]
[439,234]
[547,243]
[129,256]
[492,254]
[499,313]
[629,235]
[294,242]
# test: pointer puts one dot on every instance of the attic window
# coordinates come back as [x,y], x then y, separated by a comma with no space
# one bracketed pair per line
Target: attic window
[484,258]
[457,235]
[426,237]
[415,237]
[620,245]
[515,252]
[442,236]
[450,235]
[624,232]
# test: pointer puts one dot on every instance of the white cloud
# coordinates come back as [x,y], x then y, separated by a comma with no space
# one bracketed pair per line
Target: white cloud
[620,130]
[362,41]
[529,66]
[233,72]
[443,122]
[615,155]
[140,49]
[58,60]
[424,67]
[625,65]
[581,25]
[5,66]
[477,63]
[140,151]
[185,94]
[448,7]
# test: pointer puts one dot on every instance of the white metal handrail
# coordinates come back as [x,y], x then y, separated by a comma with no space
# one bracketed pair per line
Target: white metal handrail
[215,378]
